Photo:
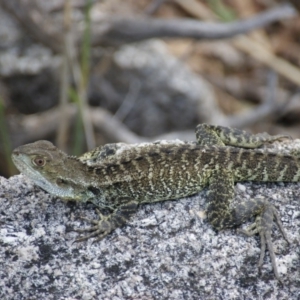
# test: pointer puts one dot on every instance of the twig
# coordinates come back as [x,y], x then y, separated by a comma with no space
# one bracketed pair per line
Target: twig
[259,52]
[65,75]
[112,127]
[269,109]
[116,30]
[196,9]
[39,25]
[5,140]
[84,79]
[129,100]
[58,6]
[272,84]
[249,45]
[80,75]
[153,6]
[39,126]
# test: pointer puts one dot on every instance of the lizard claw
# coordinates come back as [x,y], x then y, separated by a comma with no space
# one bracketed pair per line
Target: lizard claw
[100,229]
[100,235]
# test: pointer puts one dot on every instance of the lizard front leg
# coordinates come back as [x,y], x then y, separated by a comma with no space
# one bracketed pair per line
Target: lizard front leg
[107,224]
[223,212]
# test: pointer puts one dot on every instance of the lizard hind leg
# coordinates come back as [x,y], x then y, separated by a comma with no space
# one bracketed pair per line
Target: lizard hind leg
[263,226]
[223,212]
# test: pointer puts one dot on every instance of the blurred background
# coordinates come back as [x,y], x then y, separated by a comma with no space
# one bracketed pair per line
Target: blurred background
[82,73]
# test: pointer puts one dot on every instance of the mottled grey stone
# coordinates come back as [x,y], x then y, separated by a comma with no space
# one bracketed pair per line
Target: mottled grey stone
[167,250]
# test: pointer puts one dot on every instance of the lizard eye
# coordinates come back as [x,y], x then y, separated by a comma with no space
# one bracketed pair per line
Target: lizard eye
[39,162]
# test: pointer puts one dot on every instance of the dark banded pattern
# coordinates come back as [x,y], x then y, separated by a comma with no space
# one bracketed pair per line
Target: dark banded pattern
[119,177]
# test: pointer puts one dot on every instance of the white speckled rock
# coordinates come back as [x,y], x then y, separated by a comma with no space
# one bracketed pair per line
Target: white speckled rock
[167,251]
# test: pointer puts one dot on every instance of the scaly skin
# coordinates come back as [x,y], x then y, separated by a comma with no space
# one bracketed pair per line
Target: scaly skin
[121,176]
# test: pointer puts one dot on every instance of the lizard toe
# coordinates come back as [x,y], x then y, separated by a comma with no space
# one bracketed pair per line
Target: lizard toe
[88,229]
[95,222]
[101,229]
[93,234]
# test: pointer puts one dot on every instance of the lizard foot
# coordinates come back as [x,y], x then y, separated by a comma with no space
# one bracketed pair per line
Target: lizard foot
[263,225]
[100,229]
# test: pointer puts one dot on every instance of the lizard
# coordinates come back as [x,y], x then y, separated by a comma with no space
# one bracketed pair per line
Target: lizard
[120,176]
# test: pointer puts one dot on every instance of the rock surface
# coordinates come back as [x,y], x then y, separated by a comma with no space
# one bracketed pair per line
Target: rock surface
[167,250]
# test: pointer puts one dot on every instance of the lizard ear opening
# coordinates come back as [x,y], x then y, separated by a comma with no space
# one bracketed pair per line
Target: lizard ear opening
[39,161]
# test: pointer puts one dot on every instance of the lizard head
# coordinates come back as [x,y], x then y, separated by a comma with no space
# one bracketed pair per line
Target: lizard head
[47,167]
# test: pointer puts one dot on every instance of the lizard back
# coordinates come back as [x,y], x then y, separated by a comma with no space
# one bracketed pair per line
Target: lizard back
[155,172]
